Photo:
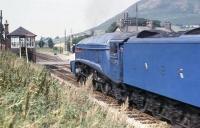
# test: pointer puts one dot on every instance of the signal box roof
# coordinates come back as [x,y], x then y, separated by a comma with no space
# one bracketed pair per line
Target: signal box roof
[22,32]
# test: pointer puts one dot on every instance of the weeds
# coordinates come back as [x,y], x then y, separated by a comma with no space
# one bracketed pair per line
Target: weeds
[30,98]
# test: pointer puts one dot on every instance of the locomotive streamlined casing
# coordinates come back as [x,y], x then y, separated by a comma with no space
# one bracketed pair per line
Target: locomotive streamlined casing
[157,71]
[95,52]
[165,66]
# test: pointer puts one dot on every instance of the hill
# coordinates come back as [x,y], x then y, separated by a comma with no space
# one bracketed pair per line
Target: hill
[175,11]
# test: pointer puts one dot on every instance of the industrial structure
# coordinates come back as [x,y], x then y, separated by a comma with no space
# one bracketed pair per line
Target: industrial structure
[136,24]
[133,24]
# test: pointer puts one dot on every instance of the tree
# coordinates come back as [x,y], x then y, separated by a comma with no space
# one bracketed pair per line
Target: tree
[112,27]
[50,43]
[57,37]
[41,43]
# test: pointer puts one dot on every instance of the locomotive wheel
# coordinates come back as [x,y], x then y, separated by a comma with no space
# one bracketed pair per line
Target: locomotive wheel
[105,88]
[143,108]
[81,80]
[96,86]
[156,114]
[156,110]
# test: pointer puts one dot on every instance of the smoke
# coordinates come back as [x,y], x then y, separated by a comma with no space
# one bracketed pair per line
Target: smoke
[99,11]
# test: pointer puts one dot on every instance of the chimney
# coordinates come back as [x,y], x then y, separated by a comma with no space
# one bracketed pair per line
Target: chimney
[126,15]
[168,26]
[1,17]
[125,24]
[6,26]
[150,24]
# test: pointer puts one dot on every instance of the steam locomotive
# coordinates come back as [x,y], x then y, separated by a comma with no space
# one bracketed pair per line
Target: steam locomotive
[157,71]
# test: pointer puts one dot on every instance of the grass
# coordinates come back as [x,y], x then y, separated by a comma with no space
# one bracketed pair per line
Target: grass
[50,50]
[31,98]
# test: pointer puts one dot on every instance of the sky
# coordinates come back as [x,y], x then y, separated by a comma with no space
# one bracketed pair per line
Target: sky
[50,18]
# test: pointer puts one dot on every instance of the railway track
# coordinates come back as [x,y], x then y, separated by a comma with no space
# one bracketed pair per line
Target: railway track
[45,57]
[133,116]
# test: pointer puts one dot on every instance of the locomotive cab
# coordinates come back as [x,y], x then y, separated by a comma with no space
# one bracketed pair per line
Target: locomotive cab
[115,59]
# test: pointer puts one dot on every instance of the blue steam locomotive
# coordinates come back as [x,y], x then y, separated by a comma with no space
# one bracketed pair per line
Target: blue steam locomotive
[157,71]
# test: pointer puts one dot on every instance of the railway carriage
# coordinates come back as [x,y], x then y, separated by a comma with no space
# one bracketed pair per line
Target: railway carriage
[158,72]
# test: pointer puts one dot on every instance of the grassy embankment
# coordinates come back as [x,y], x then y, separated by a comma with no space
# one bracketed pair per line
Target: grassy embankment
[30,97]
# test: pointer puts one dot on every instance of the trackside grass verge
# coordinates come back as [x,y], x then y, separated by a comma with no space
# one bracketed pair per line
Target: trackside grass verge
[31,98]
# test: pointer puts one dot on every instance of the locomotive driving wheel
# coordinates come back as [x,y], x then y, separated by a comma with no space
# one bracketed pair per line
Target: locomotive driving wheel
[96,86]
[105,88]
[81,79]
[96,81]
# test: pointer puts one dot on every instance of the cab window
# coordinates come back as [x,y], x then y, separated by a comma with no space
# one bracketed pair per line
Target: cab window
[113,48]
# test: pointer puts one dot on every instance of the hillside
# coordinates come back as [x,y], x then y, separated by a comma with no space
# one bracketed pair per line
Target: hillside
[175,11]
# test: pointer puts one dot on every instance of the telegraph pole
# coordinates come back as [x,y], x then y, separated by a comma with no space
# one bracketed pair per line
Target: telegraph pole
[126,18]
[1,21]
[65,41]
[71,40]
[1,29]
[26,49]
[136,17]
